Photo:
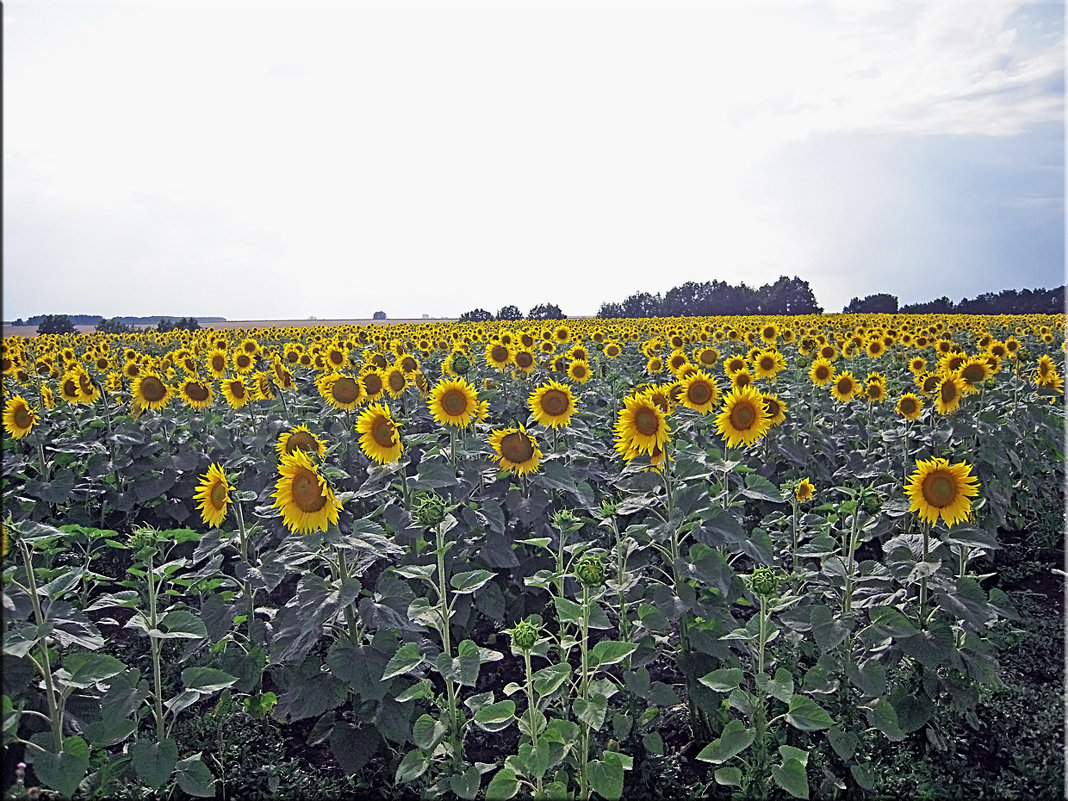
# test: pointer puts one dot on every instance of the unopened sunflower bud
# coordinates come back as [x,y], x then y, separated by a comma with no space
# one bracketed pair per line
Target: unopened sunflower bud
[563,519]
[764,581]
[461,364]
[429,510]
[524,635]
[991,383]
[590,570]
[608,509]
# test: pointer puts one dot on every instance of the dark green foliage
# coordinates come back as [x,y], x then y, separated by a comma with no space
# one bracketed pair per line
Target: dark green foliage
[546,311]
[56,324]
[113,326]
[881,303]
[476,316]
[181,324]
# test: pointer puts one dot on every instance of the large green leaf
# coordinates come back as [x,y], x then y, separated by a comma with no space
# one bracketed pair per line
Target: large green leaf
[606,776]
[465,785]
[86,668]
[883,716]
[194,777]
[807,715]
[495,717]
[609,652]
[411,767]
[427,732]
[734,739]
[154,762]
[502,786]
[548,679]
[723,680]
[791,777]
[404,661]
[207,680]
[65,770]
[592,711]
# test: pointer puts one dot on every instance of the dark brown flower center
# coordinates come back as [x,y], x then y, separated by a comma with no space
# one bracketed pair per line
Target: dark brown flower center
[647,422]
[23,416]
[939,489]
[346,390]
[152,389]
[699,393]
[555,402]
[382,432]
[301,441]
[307,494]
[196,391]
[517,447]
[499,354]
[454,402]
[218,495]
[372,382]
[743,415]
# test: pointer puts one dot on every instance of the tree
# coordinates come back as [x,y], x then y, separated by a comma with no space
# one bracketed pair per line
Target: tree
[181,324]
[790,296]
[509,312]
[942,305]
[881,303]
[113,326]
[378,315]
[546,311]
[610,310]
[475,316]
[642,304]
[56,324]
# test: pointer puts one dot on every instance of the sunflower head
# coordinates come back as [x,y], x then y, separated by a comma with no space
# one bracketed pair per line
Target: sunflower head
[641,427]
[524,635]
[744,418]
[552,404]
[938,489]
[305,499]
[910,406]
[453,402]
[804,491]
[213,496]
[379,438]
[19,417]
[516,450]
[299,438]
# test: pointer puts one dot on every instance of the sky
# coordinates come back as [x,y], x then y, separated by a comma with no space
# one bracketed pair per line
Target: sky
[258,160]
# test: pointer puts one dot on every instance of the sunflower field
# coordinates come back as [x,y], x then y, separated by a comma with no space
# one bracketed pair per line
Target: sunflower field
[732,557]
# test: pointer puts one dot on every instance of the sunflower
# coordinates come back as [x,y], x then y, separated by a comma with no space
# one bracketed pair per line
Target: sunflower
[876,348]
[306,500]
[579,372]
[498,355]
[744,417]
[973,372]
[804,491]
[19,417]
[243,361]
[769,363]
[875,390]
[516,450]
[1045,366]
[828,352]
[195,394]
[821,372]
[340,391]
[733,364]
[263,385]
[47,397]
[373,381]
[217,362]
[379,438]
[524,360]
[698,392]
[612,349]
[237,392]
[939,489]
[641,426]
[918,365]
[776,409]
[552,404]
[213,492]
[769,332]
[149,391]
[89,391]
[677,360]
[909,406]
[845,387]
[299,438]
[654,365]
[706,357]
[453,402]
[395,380]
[741,379]
[948,392]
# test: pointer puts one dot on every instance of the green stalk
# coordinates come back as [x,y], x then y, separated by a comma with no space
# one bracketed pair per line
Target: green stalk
[851,547]
[350,617]
[584,733]
[157,648]
[923,581]
[446,641]
[55,717]
[794,532]
[531,710]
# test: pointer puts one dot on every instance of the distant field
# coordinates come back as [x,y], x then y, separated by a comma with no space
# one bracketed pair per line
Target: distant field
[30,330]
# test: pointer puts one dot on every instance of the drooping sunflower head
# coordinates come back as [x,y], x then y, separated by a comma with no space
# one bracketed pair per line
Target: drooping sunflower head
[698,392]
[213,495]
[453,402]
[776,409]
[804,491]
[909,406]
[379,438]
[19,417]
[938,489]
[516,450]
[744,418]
[552,404]
[305,499]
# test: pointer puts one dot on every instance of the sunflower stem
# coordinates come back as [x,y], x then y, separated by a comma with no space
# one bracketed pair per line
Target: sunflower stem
[923,581]
[343,576]
[55,718]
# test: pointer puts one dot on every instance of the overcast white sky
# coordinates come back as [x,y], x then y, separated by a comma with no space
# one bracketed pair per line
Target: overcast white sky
[257,160]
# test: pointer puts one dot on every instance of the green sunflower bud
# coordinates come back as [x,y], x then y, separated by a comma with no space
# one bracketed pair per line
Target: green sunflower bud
[429,510]
[461,364]
[764,581]
[590,570]
[524,635]
[991,383]
[563,519]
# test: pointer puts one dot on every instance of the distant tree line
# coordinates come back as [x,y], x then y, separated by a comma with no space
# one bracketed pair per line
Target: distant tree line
[543,311]
[715,298]
[1007,301]
[96,319]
